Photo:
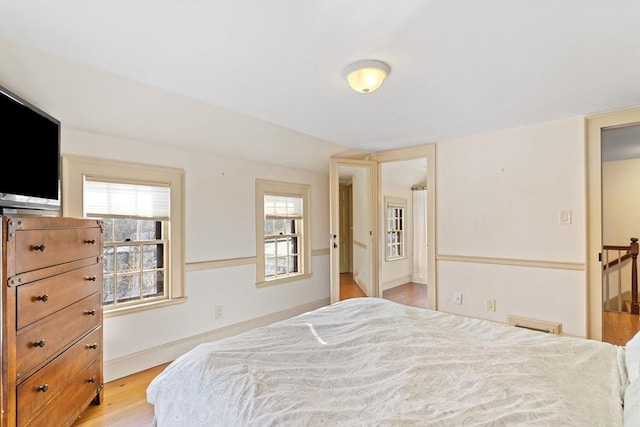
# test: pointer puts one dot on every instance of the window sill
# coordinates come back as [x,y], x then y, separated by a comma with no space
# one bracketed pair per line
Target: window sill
[113,312]
[283,280]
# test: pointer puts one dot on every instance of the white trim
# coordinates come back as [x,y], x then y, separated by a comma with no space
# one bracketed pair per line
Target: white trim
[593,200]
[76,168]
[560,265]
[120,367]
[289,189]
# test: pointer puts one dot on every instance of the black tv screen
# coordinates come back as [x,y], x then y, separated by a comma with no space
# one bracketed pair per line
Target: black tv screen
[30,174]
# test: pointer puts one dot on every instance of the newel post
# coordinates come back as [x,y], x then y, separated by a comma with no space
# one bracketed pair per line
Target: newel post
[633,251]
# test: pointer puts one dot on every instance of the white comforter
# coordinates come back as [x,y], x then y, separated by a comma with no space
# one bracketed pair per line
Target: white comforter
[372,362]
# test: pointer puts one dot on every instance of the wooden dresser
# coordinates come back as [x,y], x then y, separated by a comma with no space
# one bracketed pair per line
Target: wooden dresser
[51,330]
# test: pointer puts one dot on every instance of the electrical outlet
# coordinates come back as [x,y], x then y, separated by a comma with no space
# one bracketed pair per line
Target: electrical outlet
[219,312]
[457,298]
[491,304]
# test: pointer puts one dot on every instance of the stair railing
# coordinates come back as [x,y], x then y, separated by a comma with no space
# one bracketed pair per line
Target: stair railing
[630,252]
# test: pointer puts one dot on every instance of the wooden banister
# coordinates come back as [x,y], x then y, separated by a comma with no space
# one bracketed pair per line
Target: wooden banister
[635,308]
[631,252]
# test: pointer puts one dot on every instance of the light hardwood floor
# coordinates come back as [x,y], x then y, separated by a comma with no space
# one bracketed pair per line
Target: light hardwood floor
[125,401]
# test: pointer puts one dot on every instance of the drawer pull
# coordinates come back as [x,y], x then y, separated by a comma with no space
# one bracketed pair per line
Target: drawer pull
[91,278]
[92,380]
[91,312]
[93,346]
[40,343]
[40,248]
[43,298]
[43,388]
[90,242]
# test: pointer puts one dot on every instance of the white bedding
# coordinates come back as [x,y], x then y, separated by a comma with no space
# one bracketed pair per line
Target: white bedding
[372,362]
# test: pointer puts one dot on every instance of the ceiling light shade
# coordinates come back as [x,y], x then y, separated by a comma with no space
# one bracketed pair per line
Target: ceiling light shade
[366,76]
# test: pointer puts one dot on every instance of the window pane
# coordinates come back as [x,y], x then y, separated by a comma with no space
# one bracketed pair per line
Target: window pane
[153,284]
[281,249]
[270,247]
[128,258]
[293,246]
[108,266]
[107,290]
[152,256]
[293,264]
[150,230]
[108,230]
[128,287]
[125,229]
[278,226]
[269,267]
[282,265]
[268,226]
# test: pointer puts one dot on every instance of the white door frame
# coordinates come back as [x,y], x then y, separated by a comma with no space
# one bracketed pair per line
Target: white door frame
[594,126]
[334,224]
[428,152]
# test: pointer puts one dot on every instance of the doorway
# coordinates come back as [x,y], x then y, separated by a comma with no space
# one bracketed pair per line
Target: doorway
[353,245]
[595,126]
[367,201]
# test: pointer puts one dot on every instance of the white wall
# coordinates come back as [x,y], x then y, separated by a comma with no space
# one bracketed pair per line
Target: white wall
[220,224]
[620,214]
[620,201]
[499,196]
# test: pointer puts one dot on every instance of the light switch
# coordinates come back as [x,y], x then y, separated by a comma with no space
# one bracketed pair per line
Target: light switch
[565,217]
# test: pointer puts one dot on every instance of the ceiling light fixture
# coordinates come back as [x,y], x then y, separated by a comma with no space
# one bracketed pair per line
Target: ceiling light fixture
[366,76]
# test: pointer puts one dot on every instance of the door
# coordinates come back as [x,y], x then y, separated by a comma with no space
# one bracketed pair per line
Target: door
[346,228]
[595,126]
[362,174]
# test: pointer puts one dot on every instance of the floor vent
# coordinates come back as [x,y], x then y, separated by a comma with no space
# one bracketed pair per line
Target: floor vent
[535,325]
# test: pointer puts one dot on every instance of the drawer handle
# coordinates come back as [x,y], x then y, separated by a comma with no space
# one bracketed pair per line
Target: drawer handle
[91,312]
[93,346]
[40,343]
[43,388]
[92,380]
[40,248]
[91,278]
[43,298]
[90,242]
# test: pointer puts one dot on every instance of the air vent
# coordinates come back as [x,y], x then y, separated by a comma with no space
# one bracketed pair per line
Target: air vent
[535,324]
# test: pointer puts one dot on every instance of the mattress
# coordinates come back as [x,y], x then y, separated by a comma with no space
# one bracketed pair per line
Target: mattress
[373,362]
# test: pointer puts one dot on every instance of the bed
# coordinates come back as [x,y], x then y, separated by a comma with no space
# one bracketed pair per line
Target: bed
[373,362]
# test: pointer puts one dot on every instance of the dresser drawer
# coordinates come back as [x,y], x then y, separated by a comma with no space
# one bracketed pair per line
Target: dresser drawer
[39,299]
[36,249]
[74,398]
[46,337]
[55,377]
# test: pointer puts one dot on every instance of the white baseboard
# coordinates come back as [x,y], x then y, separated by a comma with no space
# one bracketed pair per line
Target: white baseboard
[135,362]
[396,282]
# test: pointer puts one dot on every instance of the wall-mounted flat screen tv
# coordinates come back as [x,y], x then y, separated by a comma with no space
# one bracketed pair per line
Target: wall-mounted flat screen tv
[30,169]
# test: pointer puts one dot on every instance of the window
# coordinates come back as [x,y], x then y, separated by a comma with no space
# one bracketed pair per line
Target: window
[395,227]
[282,235]
[141,208]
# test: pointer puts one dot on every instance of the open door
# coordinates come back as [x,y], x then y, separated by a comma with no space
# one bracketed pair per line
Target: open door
[595,125]
[361,177]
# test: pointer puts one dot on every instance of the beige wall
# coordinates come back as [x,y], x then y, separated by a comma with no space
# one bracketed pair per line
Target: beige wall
[499,236]
[620,214]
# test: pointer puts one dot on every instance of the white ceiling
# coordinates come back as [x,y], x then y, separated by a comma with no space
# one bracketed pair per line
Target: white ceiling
[457,67]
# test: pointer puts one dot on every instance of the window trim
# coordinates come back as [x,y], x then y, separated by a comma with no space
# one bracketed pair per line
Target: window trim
[76,168]
[397,202]
[279,188]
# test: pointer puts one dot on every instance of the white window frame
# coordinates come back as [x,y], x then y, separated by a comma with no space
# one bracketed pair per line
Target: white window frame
[75,169]
[277,188]
[392,227]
